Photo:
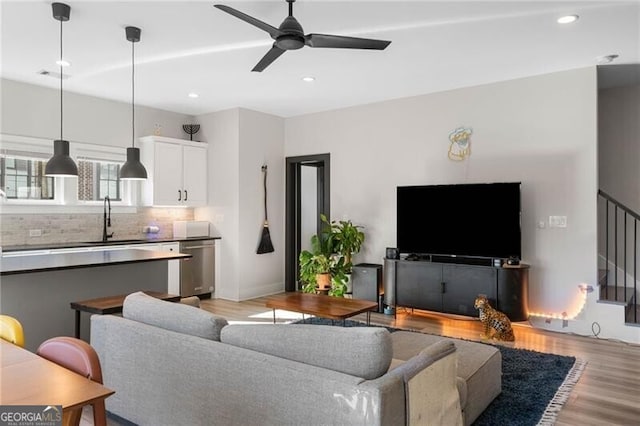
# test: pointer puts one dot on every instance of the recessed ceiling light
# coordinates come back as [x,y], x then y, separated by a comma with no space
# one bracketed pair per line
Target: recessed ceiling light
[63,63]
[606,58]
[193,95]
[308,79]
[567,19]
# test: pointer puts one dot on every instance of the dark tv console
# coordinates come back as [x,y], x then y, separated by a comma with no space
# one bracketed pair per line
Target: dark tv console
[442,284]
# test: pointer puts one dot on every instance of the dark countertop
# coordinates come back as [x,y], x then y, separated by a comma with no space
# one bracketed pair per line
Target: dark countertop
[53,246]
[58,261]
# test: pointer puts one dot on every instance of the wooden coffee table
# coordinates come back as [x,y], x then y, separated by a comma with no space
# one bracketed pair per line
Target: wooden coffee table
[337,308]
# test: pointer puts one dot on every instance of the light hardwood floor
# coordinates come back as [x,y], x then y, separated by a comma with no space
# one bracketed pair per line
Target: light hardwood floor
[608,393]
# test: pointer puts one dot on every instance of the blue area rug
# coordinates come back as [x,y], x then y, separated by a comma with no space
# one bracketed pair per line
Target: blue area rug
[535,385]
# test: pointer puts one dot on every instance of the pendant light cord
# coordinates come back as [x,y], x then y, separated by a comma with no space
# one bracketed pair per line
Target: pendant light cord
[133,94]
[61,111]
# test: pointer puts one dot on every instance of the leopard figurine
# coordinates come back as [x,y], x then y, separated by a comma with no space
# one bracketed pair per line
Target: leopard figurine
[493,320]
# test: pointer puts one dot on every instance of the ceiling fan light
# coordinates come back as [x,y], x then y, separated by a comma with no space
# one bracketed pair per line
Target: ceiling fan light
[133,169]
[61,164]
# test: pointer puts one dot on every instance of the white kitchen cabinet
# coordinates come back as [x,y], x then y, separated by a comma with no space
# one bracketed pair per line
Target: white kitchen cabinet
[174,268]
[177,171]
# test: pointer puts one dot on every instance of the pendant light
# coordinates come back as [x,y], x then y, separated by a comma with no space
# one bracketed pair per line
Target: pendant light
[61,164]
[133,169]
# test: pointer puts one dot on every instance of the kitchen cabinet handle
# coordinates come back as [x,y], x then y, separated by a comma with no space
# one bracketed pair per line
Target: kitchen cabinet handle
[179,195]
[186,194]
[196,247]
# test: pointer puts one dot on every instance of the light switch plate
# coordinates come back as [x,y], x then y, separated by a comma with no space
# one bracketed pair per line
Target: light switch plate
[557,221]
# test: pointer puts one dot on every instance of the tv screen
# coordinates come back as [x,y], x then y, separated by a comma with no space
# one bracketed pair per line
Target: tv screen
[476,220]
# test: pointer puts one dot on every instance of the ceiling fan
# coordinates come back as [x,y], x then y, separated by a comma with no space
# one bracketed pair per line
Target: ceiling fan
[289,36]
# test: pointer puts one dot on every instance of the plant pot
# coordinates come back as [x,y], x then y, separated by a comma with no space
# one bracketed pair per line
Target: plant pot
[323,281]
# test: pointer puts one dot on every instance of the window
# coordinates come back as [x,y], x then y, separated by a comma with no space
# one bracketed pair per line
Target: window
[23,178]
[24,186]
[98,179]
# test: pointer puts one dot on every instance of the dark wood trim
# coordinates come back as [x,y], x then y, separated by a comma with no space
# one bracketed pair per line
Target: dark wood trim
[293,207]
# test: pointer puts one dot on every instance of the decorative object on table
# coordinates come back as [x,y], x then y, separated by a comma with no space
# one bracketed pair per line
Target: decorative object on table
[61,164]
[460,143]
[290,36]
[513,261]
[496,324]
[133,169]
[265,245]
[191,129]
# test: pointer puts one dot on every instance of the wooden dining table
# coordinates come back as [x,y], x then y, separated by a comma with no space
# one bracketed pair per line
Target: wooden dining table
[28,379]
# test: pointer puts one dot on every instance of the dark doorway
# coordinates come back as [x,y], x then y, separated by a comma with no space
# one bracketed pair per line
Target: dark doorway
[307,196]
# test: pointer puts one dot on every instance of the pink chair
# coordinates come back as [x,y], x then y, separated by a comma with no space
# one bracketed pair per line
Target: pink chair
[78,356]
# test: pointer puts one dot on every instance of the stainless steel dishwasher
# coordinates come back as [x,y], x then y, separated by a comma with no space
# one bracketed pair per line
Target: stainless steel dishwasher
[197,274]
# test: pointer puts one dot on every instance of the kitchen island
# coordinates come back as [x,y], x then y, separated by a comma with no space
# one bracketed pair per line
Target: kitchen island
[38,289]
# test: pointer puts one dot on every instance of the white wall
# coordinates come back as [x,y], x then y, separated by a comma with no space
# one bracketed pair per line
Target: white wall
[540,131]
[29,110]
[240,142]
[261,142]
[222,131]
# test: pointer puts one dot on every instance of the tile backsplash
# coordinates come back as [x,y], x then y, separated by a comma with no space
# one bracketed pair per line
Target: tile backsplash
[75,227]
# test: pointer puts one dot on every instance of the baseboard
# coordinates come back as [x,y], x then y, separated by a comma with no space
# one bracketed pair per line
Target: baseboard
[261,291]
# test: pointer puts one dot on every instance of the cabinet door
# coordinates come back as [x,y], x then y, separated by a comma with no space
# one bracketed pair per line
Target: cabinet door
[513,292]
[167,175]
[173,286]
[463,283]
[195,175]
[418,285]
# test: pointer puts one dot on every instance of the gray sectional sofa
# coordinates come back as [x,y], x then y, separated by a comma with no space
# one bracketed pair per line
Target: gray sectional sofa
[171,364]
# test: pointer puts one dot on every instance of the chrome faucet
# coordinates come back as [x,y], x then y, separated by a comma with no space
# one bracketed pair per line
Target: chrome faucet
[106,220]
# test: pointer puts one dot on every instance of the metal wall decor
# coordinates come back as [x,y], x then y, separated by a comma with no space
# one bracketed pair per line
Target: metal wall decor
[460,143]
[191,129]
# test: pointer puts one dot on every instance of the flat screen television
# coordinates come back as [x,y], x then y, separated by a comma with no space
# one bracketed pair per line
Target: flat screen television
[474,220]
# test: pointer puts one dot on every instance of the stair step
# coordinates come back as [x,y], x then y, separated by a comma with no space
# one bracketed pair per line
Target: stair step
[632,316]
[602,277]
[618,295]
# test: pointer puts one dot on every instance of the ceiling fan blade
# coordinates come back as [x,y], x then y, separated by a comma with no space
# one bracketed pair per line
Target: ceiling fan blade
[273,31]
[341,42]
[267,59]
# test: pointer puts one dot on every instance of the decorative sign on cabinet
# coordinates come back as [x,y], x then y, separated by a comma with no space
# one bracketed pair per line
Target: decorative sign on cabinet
[177,171]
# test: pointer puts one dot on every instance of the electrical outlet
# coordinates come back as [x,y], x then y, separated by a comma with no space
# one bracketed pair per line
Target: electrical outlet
[557,221]
[35,232]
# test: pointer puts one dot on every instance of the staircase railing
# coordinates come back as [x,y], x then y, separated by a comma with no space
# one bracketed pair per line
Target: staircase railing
[628,267]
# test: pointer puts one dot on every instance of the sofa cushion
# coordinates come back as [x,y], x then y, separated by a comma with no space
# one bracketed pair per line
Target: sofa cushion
[479,368]
[177,317]
[359,351]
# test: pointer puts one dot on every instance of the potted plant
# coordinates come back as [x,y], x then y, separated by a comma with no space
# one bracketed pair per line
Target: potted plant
[315,265]
[330,257]
[345,238]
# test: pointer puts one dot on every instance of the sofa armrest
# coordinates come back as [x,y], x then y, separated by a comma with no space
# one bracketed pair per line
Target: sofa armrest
[431,394]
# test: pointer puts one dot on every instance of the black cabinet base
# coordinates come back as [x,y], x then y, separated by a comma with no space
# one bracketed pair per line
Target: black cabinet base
[452,288]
